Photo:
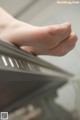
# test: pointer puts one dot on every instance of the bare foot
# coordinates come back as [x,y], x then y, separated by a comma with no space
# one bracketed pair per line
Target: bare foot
[54,40]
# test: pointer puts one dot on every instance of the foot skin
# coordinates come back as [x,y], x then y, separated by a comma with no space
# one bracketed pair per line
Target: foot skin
[55,40]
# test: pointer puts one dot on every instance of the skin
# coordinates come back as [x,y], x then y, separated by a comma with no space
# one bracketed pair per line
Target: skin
[56,40]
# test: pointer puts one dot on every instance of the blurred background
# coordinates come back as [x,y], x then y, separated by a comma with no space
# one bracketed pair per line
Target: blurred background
[47,12]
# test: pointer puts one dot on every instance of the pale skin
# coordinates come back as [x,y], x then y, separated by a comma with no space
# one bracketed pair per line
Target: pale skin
[56,40]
